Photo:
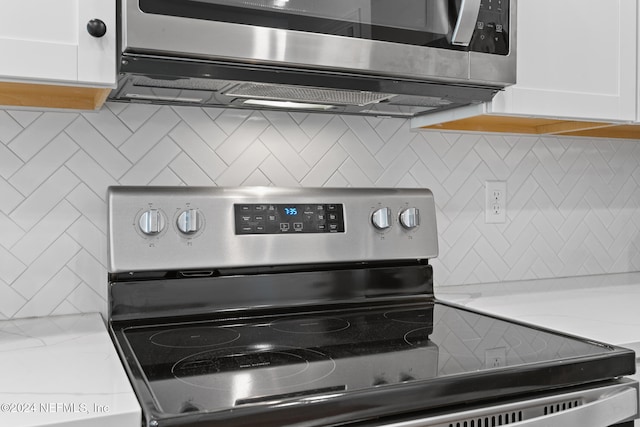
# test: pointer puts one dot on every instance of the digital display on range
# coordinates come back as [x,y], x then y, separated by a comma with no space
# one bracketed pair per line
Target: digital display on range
[289,211]
[257,218]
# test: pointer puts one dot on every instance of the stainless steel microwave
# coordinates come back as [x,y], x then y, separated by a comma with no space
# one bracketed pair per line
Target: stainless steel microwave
[382,57]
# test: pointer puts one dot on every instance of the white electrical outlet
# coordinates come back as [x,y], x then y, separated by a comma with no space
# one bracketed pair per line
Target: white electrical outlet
[495,211]
[495,357]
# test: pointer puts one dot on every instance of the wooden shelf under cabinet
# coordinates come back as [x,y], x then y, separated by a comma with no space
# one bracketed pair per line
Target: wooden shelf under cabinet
[538,126]
[52,96]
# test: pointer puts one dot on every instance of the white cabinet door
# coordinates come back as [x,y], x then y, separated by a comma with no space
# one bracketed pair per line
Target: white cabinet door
[47,41]
[576,60]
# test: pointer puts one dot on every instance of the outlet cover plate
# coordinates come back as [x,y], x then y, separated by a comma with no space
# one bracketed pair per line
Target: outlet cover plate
[495,211]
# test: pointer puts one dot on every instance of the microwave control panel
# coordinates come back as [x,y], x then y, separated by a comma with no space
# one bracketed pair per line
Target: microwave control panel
[492,28]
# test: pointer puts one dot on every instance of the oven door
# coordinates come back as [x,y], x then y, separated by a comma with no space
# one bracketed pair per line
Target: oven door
[441,40]
[614,404]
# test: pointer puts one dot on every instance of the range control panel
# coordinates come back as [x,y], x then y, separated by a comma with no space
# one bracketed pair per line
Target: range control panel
[289,218]
[204,228]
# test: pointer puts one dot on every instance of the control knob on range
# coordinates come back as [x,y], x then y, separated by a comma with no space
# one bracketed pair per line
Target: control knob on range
[189,221]
[381,218]
[410,218]
[151,222]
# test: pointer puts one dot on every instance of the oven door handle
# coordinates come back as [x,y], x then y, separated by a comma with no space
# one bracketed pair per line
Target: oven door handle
[466,23]
[612,407]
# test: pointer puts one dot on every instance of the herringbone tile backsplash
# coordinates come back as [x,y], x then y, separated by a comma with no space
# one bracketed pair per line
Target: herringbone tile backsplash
[573,204]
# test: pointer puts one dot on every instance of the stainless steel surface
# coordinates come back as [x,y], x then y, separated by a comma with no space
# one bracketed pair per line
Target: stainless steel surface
[151,222]
[171,35]
[381,218]
[216,245]
[596,407]
[198,47]
[188,221]
[410,218]
[466,23]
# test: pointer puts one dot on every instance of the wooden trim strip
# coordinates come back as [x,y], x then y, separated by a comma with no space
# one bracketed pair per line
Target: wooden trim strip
[538,126]
[52,96]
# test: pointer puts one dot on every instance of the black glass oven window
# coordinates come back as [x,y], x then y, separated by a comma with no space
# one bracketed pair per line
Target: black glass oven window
[413,22]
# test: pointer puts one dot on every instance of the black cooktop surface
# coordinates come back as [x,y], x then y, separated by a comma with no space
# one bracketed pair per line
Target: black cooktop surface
[234,363]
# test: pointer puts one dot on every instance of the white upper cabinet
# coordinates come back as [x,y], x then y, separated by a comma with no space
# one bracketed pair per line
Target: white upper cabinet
[45,41]
[576,60]
[577,74]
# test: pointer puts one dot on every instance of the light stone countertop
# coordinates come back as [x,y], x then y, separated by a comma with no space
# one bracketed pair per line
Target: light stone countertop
[63,371]
[603,308]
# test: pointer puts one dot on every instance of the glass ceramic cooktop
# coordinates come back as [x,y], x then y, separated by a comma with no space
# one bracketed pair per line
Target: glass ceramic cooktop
[218,365]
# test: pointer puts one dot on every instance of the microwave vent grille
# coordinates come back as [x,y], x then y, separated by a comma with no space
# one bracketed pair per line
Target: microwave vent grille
[306,94]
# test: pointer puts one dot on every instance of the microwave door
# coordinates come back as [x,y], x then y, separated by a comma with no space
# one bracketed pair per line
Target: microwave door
[395,39]
[420,23]
[466,22]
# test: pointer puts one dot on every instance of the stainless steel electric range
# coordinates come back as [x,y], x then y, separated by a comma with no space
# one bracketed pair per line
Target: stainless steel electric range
[315,307]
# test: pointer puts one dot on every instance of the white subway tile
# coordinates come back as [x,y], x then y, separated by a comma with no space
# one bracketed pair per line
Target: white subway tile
[573,204]
[43,165]
[48,262]
[154,162]
[189,172]
[39,133]
[24,117]
[9,127]
[9,197]
[10,266]
[324,168]
[149,134]
[201,124]
[277,173]
[9,162]
[109,126]
[43,199]
[91,270]
[242,137]
[361,156]
[397,169]
[90,205]
[244,165]
[133,115]
[394,146]
[47,234]
[91,173]
[51,295]
[289,129]
[323,140]
[10,232]
[10,301]
[281,148]
[166,178]
[354,175]
[93,240]
[86,300]
[98,148]
[199,151]
[365,132]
